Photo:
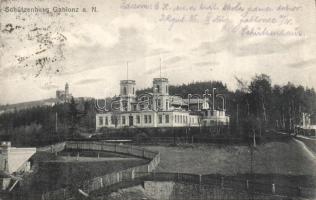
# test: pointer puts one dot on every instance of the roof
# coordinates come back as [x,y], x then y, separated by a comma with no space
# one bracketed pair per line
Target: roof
[127,81]
[160,80]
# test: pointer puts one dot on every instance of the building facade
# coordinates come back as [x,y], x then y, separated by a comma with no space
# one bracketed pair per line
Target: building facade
[157,109]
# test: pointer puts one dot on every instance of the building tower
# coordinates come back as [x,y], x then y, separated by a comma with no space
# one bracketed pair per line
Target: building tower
[161,93]
[66,90]
[127,94]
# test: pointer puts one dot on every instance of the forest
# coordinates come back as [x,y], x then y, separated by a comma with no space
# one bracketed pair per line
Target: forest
[253,107]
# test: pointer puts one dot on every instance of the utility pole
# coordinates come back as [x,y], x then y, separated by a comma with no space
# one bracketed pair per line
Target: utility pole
[126,70]
[237,115]
[160,69]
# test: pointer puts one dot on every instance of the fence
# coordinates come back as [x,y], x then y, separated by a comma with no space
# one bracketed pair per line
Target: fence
[53,148]
[209,182]
[108,179]
[145,173]
[172,140]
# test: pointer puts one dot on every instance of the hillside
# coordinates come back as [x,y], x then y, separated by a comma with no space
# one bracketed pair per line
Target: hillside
[26,105]
[192,88]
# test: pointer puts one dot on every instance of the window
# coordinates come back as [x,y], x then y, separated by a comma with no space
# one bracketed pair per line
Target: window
[125,105]
[149,119]
[167,119]
[160,119]
[158,88]
[112,119]
[106,121]
[123,120]
[137,119]
[124,91]
[167,106]
[145,119]
[100,120]
[133,90]
[159,103]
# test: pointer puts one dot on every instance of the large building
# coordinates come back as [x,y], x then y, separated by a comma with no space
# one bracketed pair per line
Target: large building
[157,109]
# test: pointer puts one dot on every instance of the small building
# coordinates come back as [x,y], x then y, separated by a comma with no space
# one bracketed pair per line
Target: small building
[215,118]
[13,160]
[306,126]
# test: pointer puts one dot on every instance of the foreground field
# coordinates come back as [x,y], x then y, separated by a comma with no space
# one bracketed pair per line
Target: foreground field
[287,158]
[54,172]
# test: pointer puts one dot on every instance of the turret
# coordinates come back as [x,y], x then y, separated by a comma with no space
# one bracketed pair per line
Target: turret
[161,92]
[160,86]
[127,94]
[66,90]
[127,88]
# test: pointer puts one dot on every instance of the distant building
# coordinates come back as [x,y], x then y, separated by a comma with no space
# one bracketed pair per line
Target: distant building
[306,122]
[157,109]
[63,96]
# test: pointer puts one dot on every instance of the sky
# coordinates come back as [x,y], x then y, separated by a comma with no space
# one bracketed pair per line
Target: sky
[190,40]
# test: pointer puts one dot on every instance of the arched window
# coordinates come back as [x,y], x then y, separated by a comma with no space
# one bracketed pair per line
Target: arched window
[124,91]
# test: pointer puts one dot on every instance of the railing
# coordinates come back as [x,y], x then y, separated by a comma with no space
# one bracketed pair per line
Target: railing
[226,182]
[109,179]
[53,148]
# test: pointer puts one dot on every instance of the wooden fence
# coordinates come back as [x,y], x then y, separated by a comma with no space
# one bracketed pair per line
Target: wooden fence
[228,182]
[53,148]
[108,179]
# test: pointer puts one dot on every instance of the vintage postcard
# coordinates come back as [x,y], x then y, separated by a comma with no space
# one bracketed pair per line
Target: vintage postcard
[157,99]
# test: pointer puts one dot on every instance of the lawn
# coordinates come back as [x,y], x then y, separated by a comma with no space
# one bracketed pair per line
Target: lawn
[54,172]
[287,158]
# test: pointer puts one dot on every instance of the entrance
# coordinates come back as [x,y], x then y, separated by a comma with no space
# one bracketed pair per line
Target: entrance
[131,121]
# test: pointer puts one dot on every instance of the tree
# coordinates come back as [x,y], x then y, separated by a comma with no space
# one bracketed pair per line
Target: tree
[260,98]
[74,116]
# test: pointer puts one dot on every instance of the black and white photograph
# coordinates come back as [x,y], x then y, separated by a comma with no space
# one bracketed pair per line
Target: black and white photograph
[157,100]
